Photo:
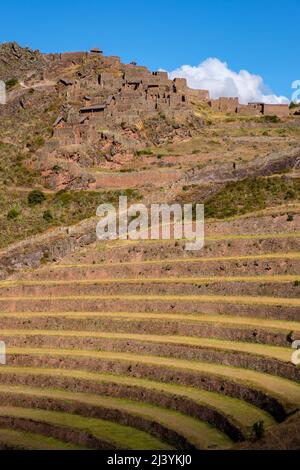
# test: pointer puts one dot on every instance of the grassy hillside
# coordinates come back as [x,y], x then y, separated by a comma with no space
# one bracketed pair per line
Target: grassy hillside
[252,194]
[27,213]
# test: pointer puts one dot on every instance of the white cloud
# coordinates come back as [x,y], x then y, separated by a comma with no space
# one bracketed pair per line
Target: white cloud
[216,76]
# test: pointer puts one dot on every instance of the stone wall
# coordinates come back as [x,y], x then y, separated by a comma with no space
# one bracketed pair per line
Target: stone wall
[65,56]
[276,109]
[225,105]
[259,109]
[180,84]
[251,109]
[198,95]
[126,94]
[233,106]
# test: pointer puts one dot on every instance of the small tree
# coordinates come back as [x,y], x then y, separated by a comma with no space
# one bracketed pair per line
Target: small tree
[47,216]
[12,214]
[36,197]
[258,430]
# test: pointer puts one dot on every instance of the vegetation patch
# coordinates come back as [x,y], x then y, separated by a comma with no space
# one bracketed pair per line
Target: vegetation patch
[11,83]
[249,195]
[145,151]
[25,214]
[15,169]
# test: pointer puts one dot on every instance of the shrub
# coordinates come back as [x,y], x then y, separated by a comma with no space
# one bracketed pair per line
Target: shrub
[36,197]
[258,430]
[145,151]
[167,267]
[64,197]
[56,169]
[47,216]
[127,170]
[273,119]
[45,257]
[290,194]
[36,143]
[290,218]
[289,337]
[12,82]
[12,214]
[130,193]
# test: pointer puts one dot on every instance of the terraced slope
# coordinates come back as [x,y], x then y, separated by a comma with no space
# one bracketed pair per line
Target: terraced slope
[19,440]
[141,345]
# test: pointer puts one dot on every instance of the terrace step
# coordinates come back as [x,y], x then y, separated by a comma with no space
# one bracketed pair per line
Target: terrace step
[164,349]
[184,431]
[90,432]
[247,306]
[215,246]
[275,352]
[20,440]
[226,327]
[233,416]
[228,246]
[272,264]
[287,286]
[286,393]
[189,258]
[272,359]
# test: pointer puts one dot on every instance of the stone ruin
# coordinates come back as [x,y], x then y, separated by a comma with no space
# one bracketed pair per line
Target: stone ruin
[233,106]
[102,94]
[109,108]
[106,93]
[116,92]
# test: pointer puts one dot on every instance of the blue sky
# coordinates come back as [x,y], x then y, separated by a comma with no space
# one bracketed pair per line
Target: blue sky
[259,36]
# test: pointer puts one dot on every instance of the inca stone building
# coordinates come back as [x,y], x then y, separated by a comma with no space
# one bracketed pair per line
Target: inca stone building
[107,93]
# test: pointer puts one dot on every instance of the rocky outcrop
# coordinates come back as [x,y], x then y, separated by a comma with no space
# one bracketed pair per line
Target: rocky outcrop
[18,62]
[51,246]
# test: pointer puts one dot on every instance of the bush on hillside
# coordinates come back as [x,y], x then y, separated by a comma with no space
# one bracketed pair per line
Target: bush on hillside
[36,197]
[12,82]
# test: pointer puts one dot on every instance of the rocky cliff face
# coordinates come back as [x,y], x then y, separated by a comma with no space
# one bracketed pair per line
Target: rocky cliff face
[18,62]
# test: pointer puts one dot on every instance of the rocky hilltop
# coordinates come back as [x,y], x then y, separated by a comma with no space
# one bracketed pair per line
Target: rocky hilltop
[93,108]
[19,62]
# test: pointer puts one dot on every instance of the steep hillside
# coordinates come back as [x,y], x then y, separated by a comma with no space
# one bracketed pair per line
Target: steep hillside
[142,344]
